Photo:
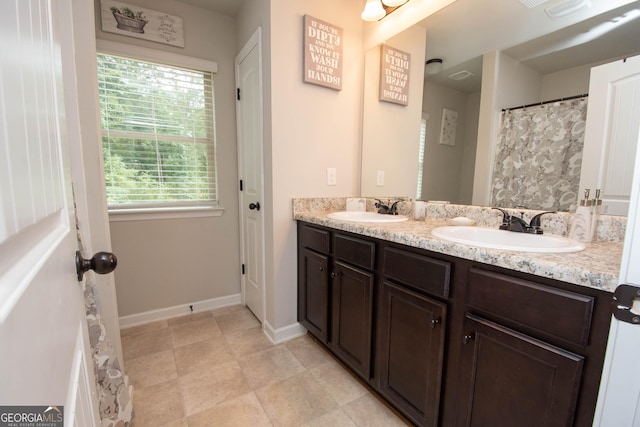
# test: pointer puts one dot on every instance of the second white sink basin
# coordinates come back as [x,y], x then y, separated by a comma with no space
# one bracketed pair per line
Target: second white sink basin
[507,240]
[358,216]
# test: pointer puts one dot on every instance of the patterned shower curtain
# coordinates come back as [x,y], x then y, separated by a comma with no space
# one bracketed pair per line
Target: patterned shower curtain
[539,156]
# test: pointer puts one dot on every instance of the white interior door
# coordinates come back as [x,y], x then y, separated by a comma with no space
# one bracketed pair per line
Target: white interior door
[43,331]
[250,167]
[611,135]
[619,399]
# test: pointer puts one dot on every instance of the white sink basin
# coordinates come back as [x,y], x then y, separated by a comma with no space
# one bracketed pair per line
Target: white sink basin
[507,240]
[357,216]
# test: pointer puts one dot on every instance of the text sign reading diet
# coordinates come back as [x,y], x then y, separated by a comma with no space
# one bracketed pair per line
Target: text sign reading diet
[322,53]
[394,75]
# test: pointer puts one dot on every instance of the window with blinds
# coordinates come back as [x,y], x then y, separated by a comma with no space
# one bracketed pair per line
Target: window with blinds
[158,134]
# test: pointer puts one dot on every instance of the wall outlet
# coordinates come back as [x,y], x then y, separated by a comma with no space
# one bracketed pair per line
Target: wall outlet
[380,179]
[331,176]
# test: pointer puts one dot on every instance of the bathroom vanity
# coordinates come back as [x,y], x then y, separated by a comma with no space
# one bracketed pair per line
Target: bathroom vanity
[446,333]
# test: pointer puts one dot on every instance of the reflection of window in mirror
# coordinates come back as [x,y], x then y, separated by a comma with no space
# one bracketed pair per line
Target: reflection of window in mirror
[423,133]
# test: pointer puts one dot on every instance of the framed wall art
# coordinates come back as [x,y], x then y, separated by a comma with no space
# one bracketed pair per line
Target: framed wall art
[322,53]
[394,75]
[134,21]
[448,127]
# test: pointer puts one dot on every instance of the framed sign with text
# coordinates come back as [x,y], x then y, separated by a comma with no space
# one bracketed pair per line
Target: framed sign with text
[134,21]
[394,75]
[322,53]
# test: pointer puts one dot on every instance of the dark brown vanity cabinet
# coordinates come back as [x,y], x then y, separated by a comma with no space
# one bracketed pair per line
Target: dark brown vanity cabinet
[336,285]
[451,342]
[411,348]
[313,280]
[510,379]
[411,333]
[352,315]
[313,297]
[529,353]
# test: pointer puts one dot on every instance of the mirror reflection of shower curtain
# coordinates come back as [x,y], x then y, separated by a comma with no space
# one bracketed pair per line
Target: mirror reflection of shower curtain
[539,156]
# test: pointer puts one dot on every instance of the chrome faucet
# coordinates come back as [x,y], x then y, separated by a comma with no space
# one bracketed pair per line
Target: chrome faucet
[513,223]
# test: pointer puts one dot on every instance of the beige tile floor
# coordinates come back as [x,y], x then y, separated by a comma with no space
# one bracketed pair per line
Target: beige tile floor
[216,368]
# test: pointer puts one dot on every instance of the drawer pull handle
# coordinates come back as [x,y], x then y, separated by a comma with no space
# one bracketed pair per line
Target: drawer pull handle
[435,322]
[468,338]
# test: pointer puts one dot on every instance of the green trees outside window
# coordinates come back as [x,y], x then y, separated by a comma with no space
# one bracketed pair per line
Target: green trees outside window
[158,133]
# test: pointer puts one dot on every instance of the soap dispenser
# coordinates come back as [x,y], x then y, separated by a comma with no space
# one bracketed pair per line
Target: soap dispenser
[595,215]
[582,220]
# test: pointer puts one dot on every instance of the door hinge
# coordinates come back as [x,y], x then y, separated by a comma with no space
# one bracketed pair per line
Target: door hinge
[242,268]
[240,185]
[238,93]
[622,303]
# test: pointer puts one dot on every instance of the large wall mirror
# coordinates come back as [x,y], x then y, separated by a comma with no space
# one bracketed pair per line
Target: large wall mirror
[523,55]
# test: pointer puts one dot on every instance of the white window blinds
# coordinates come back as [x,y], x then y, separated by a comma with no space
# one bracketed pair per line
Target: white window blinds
[158,134]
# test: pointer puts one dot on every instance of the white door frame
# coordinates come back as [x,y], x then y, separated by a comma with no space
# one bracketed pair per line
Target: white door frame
[619,398]
[86,159]
[254,42]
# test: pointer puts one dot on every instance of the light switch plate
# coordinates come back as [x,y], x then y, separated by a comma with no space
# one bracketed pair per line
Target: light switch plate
[331,176]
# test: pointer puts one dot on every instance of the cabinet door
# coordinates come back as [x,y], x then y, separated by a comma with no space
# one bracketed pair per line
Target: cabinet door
[510,379]
[411,333]
[313,293]
[352,317]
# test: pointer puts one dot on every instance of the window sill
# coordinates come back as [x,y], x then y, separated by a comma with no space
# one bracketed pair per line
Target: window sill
[144,214]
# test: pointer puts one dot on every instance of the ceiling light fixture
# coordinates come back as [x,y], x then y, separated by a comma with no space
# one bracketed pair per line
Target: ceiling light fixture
[373,11]
[394,3]
[566,7]
[532,3]
[461,75]
[433,66]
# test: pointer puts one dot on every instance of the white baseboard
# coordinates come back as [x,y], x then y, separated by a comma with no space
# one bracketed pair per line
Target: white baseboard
[286,333]
[179,310]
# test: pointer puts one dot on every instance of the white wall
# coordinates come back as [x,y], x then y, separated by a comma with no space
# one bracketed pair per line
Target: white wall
[164,263]
[442,177]
[470,145]
[313,128]
[570,82]
[566,83]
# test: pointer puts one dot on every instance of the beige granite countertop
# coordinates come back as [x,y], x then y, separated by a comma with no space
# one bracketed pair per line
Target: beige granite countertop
[596,267]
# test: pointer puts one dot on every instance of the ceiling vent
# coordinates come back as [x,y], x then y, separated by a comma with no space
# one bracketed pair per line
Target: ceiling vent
[566,7]
[461,75]
[532,3]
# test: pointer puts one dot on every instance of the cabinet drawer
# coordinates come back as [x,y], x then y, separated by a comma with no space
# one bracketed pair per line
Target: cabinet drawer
[314,238]
[418,271]
[550,311]
[358,252]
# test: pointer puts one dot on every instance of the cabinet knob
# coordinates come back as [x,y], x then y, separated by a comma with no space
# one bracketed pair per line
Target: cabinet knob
[322,269]
[334,275]
[435,322]
[468,338]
